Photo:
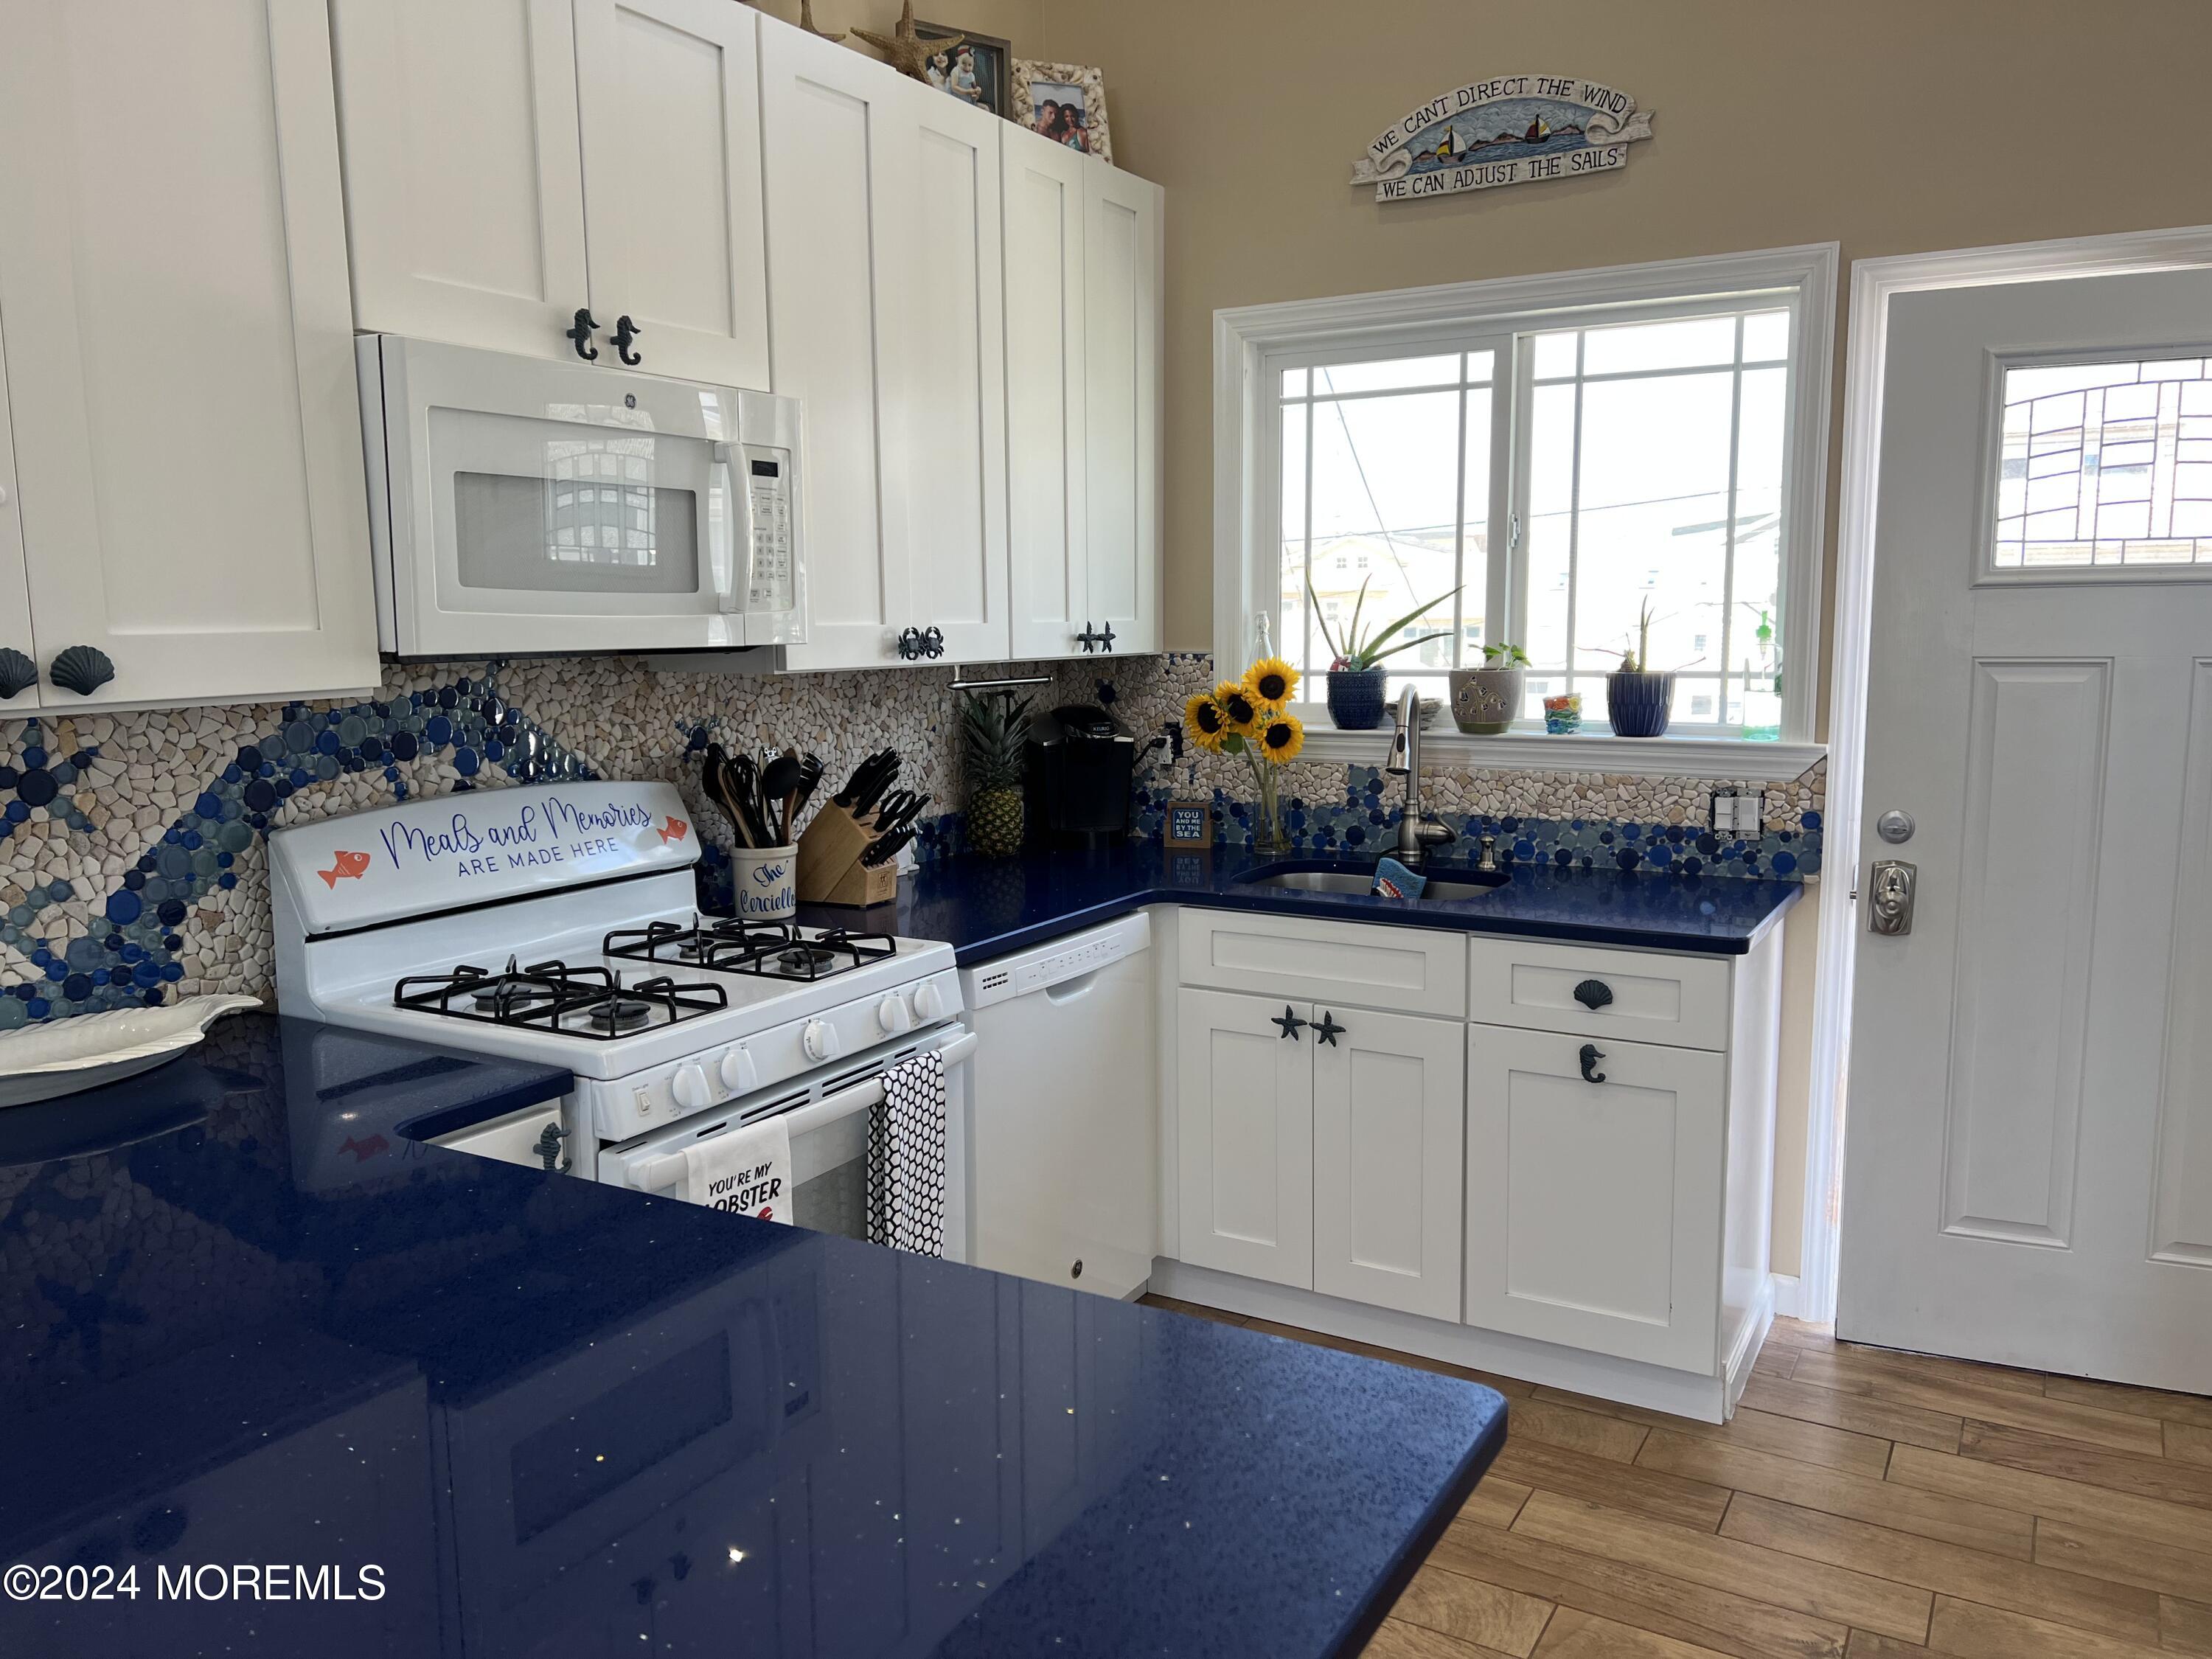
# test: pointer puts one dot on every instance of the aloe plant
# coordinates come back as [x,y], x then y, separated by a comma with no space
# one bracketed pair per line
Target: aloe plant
[1358,652]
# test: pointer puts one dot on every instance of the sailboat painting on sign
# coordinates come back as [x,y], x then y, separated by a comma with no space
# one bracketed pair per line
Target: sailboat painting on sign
[1513,130]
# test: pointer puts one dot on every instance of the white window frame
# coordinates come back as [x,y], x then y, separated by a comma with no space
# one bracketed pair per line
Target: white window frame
[1247,578]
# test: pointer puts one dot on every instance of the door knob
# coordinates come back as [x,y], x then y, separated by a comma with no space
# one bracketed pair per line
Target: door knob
[581,335]
[625,332]
[1290,1023]
[1895,827]
[82,669]
[1592,993]
[1590,1056]
[1895,885]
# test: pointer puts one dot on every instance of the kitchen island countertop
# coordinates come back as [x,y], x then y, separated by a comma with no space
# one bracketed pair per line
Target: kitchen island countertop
[251,1325]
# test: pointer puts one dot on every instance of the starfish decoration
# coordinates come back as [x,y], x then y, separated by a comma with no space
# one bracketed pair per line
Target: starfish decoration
[807,21]
[909,52]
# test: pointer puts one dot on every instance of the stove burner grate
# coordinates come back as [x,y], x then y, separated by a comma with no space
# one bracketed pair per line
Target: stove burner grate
[551,996]
[768,950]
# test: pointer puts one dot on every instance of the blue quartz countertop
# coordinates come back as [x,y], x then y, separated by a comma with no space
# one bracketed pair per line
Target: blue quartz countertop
[985,907]
[380,1397]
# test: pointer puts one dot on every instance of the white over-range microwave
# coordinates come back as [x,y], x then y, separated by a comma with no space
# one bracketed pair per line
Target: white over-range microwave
[520,506]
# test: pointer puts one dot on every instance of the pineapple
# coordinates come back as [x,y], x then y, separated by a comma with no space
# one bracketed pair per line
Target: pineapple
[997,729]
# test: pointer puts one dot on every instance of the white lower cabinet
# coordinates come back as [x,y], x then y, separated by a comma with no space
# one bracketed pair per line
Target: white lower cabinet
[1386,1106]
[1246,1136]
[1555,1157]
[1594,1194]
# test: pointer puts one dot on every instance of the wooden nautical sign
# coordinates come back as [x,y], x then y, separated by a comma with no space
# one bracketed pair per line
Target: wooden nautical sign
[1512,130]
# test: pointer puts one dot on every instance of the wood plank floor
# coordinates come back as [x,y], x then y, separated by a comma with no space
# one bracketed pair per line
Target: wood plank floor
[1863,1504]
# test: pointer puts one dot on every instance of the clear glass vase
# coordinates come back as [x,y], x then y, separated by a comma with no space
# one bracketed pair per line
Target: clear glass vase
[1268,833]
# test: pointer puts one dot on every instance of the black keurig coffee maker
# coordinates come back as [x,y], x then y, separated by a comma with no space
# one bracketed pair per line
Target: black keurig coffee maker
[1080,760]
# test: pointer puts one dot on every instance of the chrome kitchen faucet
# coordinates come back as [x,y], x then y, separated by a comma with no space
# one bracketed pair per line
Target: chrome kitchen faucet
[1417,831]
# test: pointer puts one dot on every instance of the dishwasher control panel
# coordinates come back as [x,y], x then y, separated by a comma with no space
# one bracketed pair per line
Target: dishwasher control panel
[1056,963]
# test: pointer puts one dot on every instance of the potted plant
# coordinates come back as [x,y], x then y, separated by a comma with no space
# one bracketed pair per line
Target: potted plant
[1486,701]
[1355,681]
[1639,702]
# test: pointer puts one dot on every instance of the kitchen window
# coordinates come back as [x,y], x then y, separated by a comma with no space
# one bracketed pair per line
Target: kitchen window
[1548,467]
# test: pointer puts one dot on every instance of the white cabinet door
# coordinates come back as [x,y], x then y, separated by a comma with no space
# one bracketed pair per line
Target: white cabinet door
[951,368]
[1389,1103]
[668,98]
[172,270]
[1122,279]
[1594,1208]
[834,179]
[15,590]
[1046,360]
[1244,1090]
[465,193]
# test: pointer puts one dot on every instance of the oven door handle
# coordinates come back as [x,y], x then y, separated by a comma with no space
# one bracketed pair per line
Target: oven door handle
[658,1174]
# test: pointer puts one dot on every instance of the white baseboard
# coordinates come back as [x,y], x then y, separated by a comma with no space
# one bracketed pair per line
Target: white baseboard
[1789,1292]
[1632,1382]
[1737,1372]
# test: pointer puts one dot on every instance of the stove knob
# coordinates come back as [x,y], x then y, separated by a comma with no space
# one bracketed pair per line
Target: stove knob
[895,1016]
[691,1091]
[820,1041]
[739,1074]
[928,1001]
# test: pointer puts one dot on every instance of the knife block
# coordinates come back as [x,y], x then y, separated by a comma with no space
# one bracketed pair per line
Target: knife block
[830,867]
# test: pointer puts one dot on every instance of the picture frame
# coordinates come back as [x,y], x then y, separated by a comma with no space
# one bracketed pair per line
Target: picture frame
[1187,826]
[1044,92]
[985,79]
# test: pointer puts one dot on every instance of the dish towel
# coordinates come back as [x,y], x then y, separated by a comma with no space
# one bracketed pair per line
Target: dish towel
[744,1172]
[906,1159]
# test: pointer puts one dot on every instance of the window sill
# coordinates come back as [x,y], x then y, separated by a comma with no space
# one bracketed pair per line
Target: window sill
[1730,759]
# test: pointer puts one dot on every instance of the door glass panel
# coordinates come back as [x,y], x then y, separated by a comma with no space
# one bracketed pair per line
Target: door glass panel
[596,530]
[2104,466]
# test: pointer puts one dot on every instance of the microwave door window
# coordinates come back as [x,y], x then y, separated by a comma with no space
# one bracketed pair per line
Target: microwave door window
[585,534]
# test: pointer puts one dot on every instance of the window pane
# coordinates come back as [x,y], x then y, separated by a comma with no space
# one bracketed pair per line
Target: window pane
[1474,534]
[2105,464]
[1550,527]
[1291,631]
[1294,383]
[1766,337]
[1652,518]
[1481,366]
[1555,354]
[1387,376]
[1659,345]
[1755,641]
[1385,516]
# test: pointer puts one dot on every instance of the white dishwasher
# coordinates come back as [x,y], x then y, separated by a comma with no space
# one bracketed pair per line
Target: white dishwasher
[1065,1142]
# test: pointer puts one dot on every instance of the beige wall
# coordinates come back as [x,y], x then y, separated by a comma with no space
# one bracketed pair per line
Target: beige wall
[1019,22]
[1888,125]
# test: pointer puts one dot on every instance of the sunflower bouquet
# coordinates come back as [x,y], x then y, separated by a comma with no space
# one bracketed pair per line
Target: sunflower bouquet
[1251,719]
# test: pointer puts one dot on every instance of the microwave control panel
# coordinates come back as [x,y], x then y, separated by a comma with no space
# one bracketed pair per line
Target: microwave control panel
[772,583]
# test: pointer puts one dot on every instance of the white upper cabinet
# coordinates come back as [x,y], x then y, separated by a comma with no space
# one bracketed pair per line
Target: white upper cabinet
[1122,218]
[668,91]
[15,590]
[834,177]
[511,162]
[1046,404]
[885,267]
[953,374]
[179,353]
[1083,389]
[465,193]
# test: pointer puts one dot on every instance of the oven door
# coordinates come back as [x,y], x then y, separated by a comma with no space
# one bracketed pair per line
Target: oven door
[532,507]
[828,1122]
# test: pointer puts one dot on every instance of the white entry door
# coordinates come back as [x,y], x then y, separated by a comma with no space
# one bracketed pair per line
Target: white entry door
[2029,1174]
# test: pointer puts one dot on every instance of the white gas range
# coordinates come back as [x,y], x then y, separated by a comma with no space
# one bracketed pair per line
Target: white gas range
[558,923]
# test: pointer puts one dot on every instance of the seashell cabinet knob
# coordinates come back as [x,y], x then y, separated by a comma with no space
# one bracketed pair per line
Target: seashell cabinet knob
[82,669]
[18,673]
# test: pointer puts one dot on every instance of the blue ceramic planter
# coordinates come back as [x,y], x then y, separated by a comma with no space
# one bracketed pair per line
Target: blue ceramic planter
[1639,705]
[1355,698]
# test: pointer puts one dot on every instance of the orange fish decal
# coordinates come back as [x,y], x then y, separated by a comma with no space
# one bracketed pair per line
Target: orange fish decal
[363,1151]
[348,866]
[674,830]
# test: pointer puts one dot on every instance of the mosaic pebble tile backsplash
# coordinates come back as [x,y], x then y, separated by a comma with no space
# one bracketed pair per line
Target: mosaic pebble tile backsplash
[132,867]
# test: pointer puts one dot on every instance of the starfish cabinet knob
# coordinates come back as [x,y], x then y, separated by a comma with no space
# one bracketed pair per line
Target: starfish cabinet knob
[1328,1029]
[1290,1023]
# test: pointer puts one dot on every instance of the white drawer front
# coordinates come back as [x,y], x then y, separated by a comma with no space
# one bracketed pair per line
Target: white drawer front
[1400,970]
[1679,1001]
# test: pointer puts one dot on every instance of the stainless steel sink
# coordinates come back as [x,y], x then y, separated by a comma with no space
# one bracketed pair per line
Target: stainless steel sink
[1361,879]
